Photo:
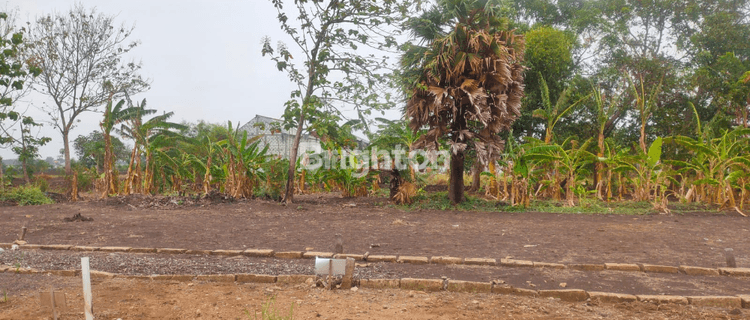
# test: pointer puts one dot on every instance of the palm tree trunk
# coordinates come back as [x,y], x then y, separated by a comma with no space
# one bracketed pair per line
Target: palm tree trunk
[456,183]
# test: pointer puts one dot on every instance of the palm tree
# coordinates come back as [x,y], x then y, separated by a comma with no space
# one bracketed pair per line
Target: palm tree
[469,89]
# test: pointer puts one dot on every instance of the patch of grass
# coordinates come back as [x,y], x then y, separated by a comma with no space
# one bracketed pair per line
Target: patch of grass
[25,195]
[588,206]
[268,311]
[5,296]
[439,201]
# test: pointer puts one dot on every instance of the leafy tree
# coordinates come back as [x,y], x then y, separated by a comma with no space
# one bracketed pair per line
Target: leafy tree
[549,60]
[14,72]
[334,72]
[80,53]
[90,150]
[470,88]
[27,146]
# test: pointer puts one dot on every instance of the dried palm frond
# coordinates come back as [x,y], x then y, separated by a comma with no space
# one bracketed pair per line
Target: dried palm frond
[406,193]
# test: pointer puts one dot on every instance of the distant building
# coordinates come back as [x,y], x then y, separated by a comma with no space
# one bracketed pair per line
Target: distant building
[280,141]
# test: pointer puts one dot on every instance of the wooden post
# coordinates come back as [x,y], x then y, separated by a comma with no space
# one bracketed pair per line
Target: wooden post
[88,308]
[338,247]
[330,274]
[731,263]
[52,302]
[346,281]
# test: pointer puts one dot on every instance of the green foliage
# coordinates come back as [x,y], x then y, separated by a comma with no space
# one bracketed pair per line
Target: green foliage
[25,195]
[85,177]
[89,149]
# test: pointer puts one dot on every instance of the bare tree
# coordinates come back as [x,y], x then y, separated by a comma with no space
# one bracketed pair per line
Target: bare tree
[80,53]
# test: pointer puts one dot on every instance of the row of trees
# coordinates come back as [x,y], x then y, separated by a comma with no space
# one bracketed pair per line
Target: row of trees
[586,77]
[623,72]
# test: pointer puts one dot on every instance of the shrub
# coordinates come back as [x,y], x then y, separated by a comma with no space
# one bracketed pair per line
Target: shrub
[25,195]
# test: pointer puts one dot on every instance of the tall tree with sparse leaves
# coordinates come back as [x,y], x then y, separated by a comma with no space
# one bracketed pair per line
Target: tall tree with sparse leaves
[334,71]
[81,53]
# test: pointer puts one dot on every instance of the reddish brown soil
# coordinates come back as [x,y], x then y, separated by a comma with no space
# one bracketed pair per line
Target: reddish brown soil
[367,225]
[137,299]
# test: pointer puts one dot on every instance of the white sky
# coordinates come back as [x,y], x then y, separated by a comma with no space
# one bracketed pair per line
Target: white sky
[203,59]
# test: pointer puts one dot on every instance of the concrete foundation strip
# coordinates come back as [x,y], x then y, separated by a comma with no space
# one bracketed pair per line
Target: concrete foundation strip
[630,267]
[426,285]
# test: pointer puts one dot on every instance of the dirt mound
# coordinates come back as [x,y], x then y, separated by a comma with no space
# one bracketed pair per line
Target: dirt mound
[141,201]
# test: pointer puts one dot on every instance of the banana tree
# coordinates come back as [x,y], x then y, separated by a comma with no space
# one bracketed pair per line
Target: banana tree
[155,134]
[553,113]
[607,113]
[243,161]
[650,174]
[566,159]
[644,104]
[114,115]
[720,166]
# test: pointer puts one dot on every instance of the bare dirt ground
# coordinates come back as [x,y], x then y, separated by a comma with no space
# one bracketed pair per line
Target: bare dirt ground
[139,299]
[367,225]
[697,239]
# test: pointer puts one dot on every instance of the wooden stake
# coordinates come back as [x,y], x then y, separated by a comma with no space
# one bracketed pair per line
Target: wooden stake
[731,263]
[52,302]
[330,274]
[88,308]
[338,247]
[346,282]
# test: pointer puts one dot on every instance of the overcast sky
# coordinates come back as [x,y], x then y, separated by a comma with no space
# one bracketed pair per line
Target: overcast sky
[203,59]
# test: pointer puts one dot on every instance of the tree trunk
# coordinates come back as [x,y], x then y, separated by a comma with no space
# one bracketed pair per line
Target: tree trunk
[25,171]
[395,183]
[493,188]
[289,194]
[476,174]
[110,182]
[456,187]
[2,177]
[129,180]
[66,148]
[599,168]
[642,139]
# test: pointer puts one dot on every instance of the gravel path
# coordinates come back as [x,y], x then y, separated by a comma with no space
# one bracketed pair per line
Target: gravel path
[528,278]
